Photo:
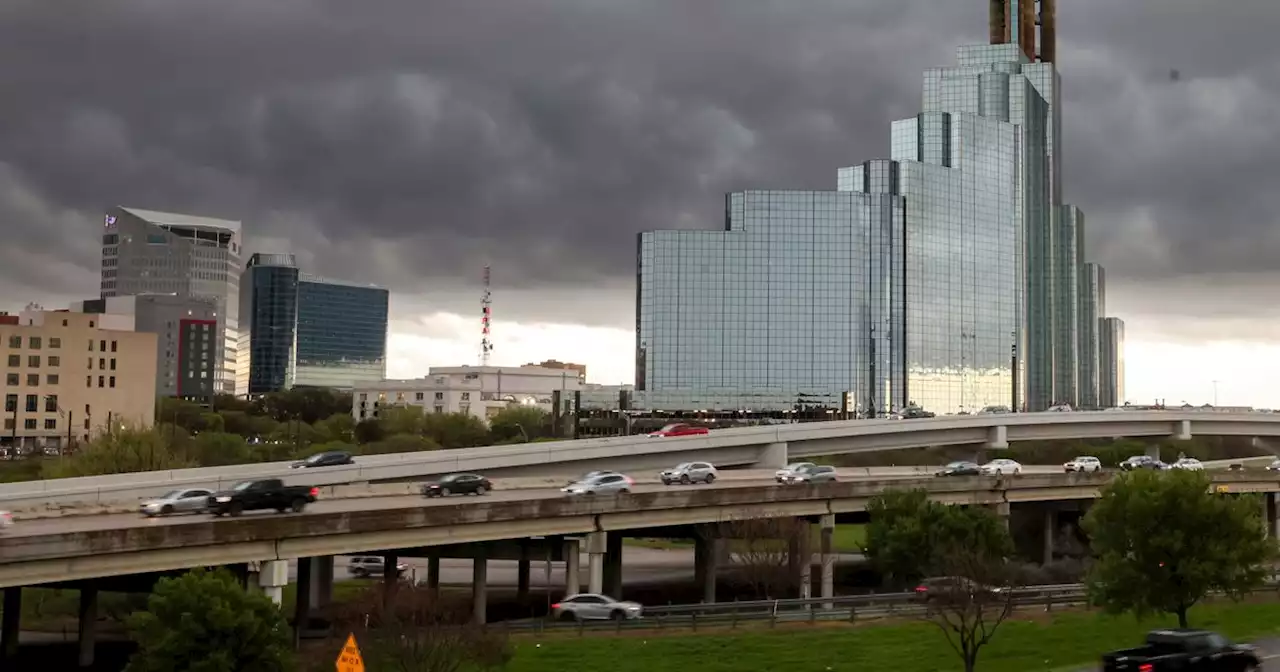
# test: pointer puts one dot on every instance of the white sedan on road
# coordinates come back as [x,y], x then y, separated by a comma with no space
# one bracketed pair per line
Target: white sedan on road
[1001,467]
[1189,464]
[1083,464]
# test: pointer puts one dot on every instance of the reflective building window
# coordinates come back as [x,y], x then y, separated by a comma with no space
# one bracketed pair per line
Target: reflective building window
[342,333]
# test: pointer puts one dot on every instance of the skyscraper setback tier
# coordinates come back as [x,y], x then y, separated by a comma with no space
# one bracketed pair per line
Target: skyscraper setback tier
[150,252]
[947,275]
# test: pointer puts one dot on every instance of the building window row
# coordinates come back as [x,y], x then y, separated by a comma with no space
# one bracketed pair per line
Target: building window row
[36,342]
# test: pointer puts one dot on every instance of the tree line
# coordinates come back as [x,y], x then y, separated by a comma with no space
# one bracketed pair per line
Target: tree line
[285,426]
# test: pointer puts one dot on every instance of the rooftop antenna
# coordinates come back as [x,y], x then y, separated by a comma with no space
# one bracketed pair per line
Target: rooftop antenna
[486,346]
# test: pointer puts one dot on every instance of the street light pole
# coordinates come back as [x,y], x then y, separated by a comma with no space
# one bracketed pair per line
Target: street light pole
[1215,393]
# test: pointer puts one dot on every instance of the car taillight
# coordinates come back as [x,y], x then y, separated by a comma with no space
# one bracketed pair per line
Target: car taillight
[556,605]
[921,589]
[630,481]
[315,492]
[1146,667]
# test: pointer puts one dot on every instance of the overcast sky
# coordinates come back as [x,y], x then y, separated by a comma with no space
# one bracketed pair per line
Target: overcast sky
[410,142]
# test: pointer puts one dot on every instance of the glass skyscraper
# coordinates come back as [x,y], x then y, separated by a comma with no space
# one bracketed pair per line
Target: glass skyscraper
[1111,378]
[946,276]
[303,330]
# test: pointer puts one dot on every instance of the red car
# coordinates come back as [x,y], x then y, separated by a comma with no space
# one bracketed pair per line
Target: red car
[680,429]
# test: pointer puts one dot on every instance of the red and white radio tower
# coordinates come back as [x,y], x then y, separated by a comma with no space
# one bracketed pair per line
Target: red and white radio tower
[486,346]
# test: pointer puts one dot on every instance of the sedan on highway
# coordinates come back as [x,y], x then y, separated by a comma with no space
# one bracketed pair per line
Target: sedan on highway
[689,472]
[1001,466]
[594,607]
[331,458]
[365,566]
[457,484]
[679,429]
[590,475]
[1274,466]
[605,484]
[782,474]
[1143,462]
[1084,464]
[961,468]
[1188,464]
[191,500]
[812,474]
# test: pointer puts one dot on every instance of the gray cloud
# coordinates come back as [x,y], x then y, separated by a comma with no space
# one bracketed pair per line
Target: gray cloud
[408,142]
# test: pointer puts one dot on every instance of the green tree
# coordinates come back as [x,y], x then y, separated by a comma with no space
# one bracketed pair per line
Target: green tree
[337,427]
[236,422]
[455,430]
[122,451]
[399,443]
[185,414]
[402,420]
[909,534]
[212,422]
[1162,541]
[205,621]
[526,423]
[216,449]
[368,431]
[308,404]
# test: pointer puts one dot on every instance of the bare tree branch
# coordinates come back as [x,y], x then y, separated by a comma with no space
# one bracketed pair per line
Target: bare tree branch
[761,551]
[971,595]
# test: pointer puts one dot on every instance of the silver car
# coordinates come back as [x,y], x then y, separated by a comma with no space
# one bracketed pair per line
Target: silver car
[782,474]
[603,484]
[689,472]
[813,473]
[192,500]
[593,607]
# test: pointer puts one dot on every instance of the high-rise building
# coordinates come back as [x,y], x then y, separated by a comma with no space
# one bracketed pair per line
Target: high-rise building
[303,330]
[148,252]
[1111,380]
[1093,292]
[57,391]
[946,276]
[187,333]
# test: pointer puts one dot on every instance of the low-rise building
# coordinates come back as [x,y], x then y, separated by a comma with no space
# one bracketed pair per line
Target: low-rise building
[481,391]
[69,376]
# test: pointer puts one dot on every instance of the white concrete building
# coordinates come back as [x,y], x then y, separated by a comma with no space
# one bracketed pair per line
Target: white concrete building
[481,391]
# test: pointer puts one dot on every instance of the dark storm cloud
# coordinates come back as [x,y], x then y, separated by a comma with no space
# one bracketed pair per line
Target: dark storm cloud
[410,142]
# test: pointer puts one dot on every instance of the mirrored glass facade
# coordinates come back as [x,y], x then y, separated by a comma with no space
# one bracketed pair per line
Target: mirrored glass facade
[1111,382]
[269,315]
[1092,308]
[342,333]
[947,276]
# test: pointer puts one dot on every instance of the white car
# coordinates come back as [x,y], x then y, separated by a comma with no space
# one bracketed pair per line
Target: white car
[1083,464]
[6,519]
[990,410]
[1001,466]
[1061,408]
[1188,464]
[790,470]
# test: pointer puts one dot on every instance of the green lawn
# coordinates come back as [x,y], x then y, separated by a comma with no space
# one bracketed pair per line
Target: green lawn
[845,539]
[1059,642]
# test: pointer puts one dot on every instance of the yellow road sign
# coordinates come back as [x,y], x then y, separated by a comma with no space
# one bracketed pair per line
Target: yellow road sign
[1224,488]
[349,659]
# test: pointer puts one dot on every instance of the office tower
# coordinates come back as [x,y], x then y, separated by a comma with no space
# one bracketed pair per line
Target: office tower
[304,330]
[187,333]
[148,252]
[342,333]
[1016,22]
[269,319]
[1111,384]
[946,275]
[1093,307]
[57,392]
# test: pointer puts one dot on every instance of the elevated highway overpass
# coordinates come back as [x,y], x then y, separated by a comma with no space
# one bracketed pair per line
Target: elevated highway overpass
[762,446]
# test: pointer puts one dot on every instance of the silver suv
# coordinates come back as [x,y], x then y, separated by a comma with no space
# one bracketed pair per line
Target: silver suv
[364,566]
[689,472]
[813,473]
[603,484]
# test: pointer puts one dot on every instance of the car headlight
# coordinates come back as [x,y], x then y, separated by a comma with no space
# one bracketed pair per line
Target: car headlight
[222,500]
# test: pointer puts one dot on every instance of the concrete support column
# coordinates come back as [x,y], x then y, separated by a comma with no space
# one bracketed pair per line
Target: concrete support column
[998,437]
[595,562]
[1154,450]
[302,601]
[433,569]
[1050,530]
[772,456]
[613,566]
[1182,430]
[1269,517]
[522,573]
[706,552]
[828,528]
[1001,509]
[572,561]
[11,623]
[321,581]
[390,579]
[806,562]
[273,576]
[87,625]
[479,589]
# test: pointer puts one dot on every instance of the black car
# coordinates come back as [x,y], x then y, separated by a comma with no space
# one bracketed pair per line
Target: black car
[961,468]
[1184,649]
[457,484]
[332,458]
[1143,462]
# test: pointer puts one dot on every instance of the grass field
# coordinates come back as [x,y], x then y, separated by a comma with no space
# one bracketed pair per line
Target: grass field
[845,539]
[1042,642]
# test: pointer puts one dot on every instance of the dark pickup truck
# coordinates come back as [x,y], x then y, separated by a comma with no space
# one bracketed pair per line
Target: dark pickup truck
[1184,650]
[270,493]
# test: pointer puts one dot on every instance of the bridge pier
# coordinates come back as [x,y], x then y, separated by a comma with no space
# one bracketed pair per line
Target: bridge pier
[390,579]
[321,580]
[11,623]
[828,527]
[706,556]
[1001,509]
[479,589]
[1182,430]
[997,438]
[772,456]
[1050,529]
[433,569]
[1153,450]
[800,563]
[523,566]
[302,601]
[572,563]
[613,565]
[88,621]
[273,576]
[595,562]
[1270,521]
